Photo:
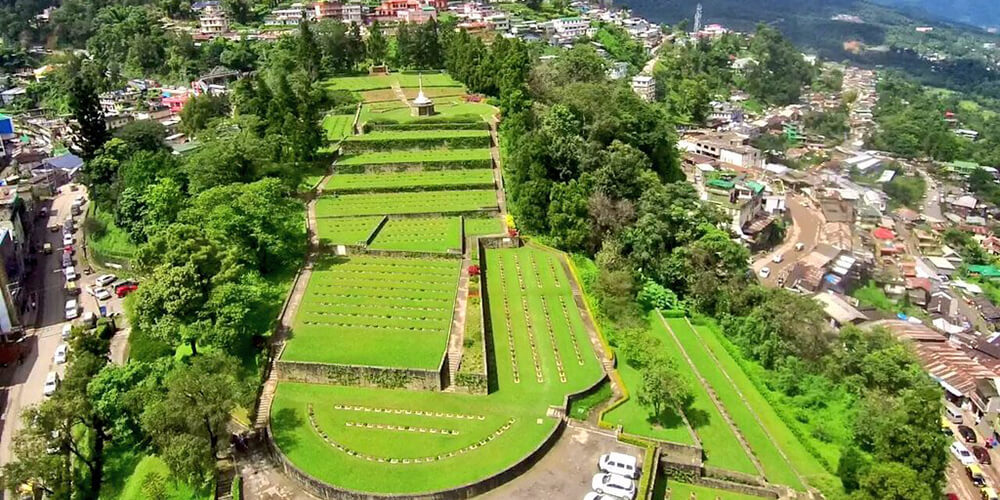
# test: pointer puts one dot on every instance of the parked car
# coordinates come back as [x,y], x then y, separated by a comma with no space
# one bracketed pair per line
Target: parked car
[71,273]
[47,248]
[593,495]
[967,433]
[67,331]
[67,239]
[61,351]
[124,289]
[67,260]
[777,258]
[799,246]
[614,485]
[72,309]
[988,493]
[765,272]
[981,454]
[51,384]
[102,294]
[619,463]
[105,279]
[962,453]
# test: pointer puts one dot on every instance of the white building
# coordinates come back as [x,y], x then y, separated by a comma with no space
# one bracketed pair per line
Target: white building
[571,26]
[353,13]
[213,21]
[291,16]
[645,86]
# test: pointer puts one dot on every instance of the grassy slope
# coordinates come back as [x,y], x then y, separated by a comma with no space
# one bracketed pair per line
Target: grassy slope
[685,491]
[381,135]
[722,448]
[776,468]
[483,225]
[636,419]
[346,230]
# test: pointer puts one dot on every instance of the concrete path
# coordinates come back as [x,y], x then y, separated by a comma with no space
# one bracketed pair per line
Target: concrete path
[456,336]
[498,171]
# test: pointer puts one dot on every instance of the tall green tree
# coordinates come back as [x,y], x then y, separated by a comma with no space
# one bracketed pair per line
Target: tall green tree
[377,47]
[90,127]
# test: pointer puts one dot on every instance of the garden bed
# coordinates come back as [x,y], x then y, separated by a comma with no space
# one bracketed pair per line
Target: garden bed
[433,202]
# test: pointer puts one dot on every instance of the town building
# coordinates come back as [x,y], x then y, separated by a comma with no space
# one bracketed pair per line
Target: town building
[645,87]
[572,27]
[727,148]
[328,10]
[213,22]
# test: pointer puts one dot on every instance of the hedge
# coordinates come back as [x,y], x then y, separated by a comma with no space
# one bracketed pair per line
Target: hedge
[422,165]
[421,125]
[407,189]
[396,143]
[462,118]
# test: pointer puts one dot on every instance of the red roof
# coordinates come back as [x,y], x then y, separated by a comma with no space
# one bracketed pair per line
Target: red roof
[883,233]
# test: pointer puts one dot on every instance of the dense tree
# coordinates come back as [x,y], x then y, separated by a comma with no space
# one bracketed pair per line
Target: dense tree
[91,128]
[200,110]
[189,423]
[663,386]
[143,135]
[307,49]
[377,47]
[779,70]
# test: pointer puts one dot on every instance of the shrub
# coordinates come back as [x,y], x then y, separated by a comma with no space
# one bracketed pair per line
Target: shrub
[473,270]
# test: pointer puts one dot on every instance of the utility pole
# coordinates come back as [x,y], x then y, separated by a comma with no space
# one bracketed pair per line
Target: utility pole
[697,19]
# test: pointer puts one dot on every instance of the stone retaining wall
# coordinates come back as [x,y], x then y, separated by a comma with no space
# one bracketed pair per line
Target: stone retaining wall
[746,489]
[365,376]
[733,476]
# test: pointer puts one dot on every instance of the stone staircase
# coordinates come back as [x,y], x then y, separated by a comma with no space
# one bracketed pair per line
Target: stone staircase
[266,396]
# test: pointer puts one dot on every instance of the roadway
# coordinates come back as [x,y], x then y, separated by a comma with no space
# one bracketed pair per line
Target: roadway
[45,322]
[957,478]
[806,225]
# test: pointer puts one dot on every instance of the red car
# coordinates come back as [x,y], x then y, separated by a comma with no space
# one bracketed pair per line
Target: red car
[68,249]
[125,289]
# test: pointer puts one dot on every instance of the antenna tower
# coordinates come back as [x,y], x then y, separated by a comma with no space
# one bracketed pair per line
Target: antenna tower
[697,19]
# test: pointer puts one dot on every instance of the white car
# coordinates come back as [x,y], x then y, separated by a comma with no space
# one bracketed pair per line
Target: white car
[71,273]
[105,279]
[777,258]
[619,463]
[597,496]
[102,294]
[51,383]
[765,272]
[67,239]
[72,309]
[799,246]
[67,331]
[614,485]
[61,352]
[962,453]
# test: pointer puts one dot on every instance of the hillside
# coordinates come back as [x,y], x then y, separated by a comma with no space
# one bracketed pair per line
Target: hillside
[863,32]
[974,12]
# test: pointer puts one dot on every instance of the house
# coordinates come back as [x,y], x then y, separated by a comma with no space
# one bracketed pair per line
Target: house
[727,148]
[918,290]
[291,16]
[839,310]
[353,13]
[989,312]
[571,26]
[213,22]
[942,304]
[645,87]
[10,95]
[618,70]
[963,205]
[941,265]
[328,10]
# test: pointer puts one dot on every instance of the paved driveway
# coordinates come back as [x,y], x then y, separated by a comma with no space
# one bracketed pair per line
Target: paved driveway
[566,470]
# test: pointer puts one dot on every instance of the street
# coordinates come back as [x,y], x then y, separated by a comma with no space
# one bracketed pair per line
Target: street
[957,477]
[805,228]
[45,322]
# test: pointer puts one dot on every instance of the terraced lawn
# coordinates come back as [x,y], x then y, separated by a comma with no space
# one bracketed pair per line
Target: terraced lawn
[431,202]
[722,448]
[346,230]
[403,441]
[686,491]
[443,106]
[421,156]
[636,419]
[402,135]
[434,179]
[369,82]
[479,226]
[376,311]
[776,468]
[430,234]
[802,460]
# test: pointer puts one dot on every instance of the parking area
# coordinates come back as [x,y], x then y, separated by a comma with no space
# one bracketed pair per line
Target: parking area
[567,469]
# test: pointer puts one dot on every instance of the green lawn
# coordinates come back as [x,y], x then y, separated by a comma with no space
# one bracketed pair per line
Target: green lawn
[421,156]
[776,468]
[440,179]
[798,455]
[636,418]
[150,464]
[376,311]
[478,226]
[480,445]
[443,106]
[722,449]
[337,126]
[403,135]
[430,234]
[359,83]
[346,230]
[581,409]
[684,491]
[430,202]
